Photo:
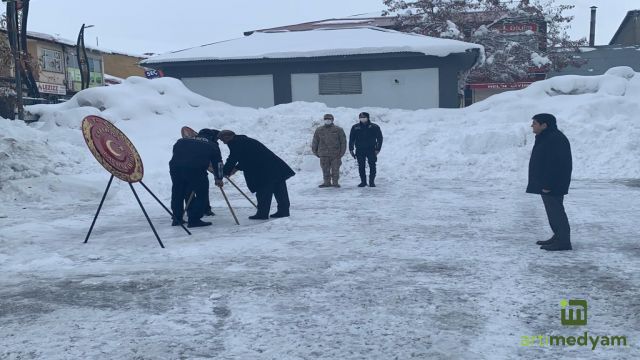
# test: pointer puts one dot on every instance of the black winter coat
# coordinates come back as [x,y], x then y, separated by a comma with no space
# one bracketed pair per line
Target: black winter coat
[550,164]
[365,137]
[196,154]
[260,165]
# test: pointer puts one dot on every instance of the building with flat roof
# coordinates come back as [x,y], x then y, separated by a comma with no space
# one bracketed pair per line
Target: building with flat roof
[344,66]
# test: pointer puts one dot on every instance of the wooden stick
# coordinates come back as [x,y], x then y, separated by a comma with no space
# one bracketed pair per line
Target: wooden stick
[241,192]
[229,205]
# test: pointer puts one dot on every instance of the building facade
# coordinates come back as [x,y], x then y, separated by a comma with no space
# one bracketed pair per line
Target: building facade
[56,71]
[628,33]
[263,69]
[623,50]
[525,29]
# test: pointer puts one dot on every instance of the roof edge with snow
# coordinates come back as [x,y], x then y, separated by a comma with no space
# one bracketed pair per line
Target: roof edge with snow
[358,40]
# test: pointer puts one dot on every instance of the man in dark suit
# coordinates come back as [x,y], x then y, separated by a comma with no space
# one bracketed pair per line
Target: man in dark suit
[366,138]
[188,169]
[264,172]
[550,175]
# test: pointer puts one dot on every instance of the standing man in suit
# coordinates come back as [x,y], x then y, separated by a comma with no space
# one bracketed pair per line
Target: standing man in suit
[550,175]
[366,138]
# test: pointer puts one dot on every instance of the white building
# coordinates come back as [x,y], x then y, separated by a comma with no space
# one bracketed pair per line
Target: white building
[352,67]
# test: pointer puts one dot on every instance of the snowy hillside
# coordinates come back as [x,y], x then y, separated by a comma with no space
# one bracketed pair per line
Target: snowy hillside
[437,262]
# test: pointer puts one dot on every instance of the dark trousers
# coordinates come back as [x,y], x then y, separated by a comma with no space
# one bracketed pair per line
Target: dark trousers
[207,202]
[277,190]
[557,218]
[371,157]
[184,181]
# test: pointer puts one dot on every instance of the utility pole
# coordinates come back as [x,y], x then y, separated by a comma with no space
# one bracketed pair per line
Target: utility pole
[12,29]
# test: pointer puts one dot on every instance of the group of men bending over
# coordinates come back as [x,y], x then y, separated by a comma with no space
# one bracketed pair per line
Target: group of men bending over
[264,172]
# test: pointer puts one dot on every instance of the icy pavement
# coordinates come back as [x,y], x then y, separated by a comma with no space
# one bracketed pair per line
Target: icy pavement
[438,269]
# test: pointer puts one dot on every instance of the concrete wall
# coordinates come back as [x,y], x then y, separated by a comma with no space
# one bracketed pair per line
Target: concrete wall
[254,91]
[403,89]
[417,74]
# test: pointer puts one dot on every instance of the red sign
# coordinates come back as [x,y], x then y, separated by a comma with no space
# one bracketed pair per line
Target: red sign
[51,88]
[113,150]
[515,28]
[514,85]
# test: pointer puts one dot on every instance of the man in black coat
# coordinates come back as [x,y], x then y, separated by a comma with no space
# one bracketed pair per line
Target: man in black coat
[188,168]
[366,137]
[264,172]
[550,176]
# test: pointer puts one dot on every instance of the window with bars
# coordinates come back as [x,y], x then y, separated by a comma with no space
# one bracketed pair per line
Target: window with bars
[340,83]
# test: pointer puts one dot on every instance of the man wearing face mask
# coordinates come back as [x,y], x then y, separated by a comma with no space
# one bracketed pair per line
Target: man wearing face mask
[366,137]
[329,144]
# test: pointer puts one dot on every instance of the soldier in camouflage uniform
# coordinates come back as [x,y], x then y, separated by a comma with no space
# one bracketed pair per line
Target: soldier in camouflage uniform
[329,144]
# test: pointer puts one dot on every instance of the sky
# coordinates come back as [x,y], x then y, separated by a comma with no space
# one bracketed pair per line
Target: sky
[143,26]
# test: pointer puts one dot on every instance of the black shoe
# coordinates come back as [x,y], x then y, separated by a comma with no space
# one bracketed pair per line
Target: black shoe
[209,213]
[372,184]
[362,184]
[258,217]
[279,214]
[557,247]
[177,222]
[336,185]
[546,242]
[324,185]
[198,223]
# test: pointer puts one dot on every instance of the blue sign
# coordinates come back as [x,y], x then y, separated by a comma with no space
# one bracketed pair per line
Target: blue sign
[153,73]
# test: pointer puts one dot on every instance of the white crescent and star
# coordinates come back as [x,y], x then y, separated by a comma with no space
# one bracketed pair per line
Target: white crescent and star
[111,150]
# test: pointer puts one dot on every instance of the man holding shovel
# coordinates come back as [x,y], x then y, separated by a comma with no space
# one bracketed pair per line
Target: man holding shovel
[188,169]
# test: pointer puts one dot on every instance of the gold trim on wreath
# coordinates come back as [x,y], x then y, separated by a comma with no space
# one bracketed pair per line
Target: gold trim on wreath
[138,172]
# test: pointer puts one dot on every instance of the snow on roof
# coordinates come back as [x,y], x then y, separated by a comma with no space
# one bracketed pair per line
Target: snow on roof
[60,40]
[319,42]
[371,15]
[338,22]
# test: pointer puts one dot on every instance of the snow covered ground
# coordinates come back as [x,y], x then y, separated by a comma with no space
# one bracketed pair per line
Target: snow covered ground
[437,262]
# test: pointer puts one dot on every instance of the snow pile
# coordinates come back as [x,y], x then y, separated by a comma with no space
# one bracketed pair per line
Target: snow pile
[139,98]
[28,152]
[452,31]
[489,140]
[539,60]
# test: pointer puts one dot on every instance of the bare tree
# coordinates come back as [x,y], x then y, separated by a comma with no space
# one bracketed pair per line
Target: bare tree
[519,37]
[5,50]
